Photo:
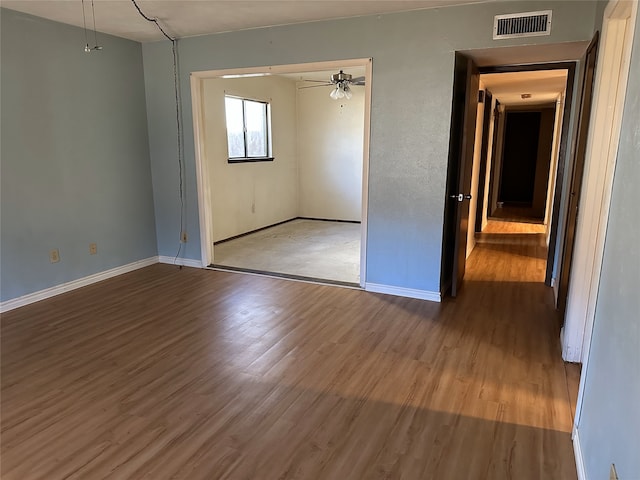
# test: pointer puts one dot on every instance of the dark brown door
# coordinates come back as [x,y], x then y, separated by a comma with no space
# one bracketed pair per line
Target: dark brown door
[578,173]
[456,217]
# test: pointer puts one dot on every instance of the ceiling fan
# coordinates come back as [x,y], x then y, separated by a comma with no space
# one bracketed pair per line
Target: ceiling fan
[342,83]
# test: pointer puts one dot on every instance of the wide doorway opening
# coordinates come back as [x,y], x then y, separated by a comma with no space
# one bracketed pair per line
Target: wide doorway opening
[282,157]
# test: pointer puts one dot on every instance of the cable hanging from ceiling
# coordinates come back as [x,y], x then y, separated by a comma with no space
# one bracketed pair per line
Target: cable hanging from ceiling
[87,48]
[176,88]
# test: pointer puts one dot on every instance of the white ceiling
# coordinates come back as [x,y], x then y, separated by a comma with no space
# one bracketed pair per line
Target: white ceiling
[185,18]
[544,86]
[521,55]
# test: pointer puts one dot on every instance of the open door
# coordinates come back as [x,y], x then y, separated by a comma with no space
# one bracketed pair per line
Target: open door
[580,151]
[466,83]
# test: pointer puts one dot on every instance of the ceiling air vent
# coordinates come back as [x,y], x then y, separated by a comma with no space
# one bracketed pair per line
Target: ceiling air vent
[530,24]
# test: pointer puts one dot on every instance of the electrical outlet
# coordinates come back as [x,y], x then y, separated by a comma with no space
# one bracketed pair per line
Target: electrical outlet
[54,256]
[184,237]
[613,475]
[93,248]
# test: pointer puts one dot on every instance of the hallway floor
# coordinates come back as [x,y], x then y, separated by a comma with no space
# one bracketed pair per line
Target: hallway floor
[314,249]
[198,374]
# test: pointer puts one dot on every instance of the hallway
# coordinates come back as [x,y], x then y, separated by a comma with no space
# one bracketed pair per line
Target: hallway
[199,374]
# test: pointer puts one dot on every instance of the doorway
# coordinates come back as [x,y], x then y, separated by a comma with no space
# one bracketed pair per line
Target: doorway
[522,183]
[299,210]
[498,172]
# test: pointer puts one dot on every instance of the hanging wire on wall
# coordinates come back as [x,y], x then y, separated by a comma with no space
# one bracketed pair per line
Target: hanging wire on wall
[176,89]
[95,34]
[87,48]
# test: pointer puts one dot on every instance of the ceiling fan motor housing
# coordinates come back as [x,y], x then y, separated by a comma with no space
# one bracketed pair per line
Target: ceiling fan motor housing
[340,77]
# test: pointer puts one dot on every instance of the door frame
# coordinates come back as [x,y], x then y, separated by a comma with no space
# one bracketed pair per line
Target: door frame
[202,169]
[563,152]
[570,66]
[578,162]
[610,91]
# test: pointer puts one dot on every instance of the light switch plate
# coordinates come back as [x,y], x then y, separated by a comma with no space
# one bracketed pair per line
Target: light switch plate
[54,256]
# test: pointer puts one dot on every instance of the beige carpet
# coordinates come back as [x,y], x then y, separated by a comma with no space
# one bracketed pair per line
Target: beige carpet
[306,248]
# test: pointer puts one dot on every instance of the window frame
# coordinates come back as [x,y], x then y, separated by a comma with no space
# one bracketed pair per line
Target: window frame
[267,121]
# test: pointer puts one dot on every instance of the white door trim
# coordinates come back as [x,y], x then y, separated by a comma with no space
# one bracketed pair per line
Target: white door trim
[202,173]
[606,118]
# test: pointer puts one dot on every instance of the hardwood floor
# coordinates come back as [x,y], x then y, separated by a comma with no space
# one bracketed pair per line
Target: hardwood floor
[517,214]
[166,373]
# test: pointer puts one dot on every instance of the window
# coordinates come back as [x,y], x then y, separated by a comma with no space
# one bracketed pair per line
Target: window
[248,136]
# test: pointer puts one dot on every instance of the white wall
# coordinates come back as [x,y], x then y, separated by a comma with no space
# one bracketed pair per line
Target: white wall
[475,176]
[330,143]
[247,196]
[487,173]
[497,161]
[553,168]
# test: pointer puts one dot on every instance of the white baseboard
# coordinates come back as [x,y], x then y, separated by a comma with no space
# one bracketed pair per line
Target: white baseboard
[185,262]
[72,285]
[577,451]
[403,292]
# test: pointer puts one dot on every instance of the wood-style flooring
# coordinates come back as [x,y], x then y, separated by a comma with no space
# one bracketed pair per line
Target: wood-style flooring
[517,214]
[193,374]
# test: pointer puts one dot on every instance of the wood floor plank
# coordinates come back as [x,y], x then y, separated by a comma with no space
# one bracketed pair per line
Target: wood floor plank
[167,373]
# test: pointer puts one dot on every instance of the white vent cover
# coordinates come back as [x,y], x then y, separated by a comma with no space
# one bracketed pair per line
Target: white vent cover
[530,24]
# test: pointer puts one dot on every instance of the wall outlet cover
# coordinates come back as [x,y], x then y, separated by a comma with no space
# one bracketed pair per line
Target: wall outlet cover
[93,248]
[54,256]
[184,237]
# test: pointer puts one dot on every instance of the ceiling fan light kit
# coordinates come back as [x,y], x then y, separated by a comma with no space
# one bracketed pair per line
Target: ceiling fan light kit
[342,90]
[342,85]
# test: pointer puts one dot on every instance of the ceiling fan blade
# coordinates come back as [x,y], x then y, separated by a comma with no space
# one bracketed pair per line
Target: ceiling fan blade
[316,81]
[314,86]
[358,81]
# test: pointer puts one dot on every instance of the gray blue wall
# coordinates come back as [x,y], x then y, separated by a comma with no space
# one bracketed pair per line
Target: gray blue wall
[609,426]
[75,165]
[413,58]
[75,156]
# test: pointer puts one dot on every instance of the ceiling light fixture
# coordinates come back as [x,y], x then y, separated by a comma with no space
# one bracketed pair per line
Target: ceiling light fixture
[342,90]
[341,83]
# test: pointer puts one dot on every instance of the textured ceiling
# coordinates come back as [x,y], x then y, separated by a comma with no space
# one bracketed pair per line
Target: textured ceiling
[185,18]
[543,86]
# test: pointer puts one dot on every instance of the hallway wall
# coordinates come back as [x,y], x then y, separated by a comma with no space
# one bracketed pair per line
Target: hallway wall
[610,422]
